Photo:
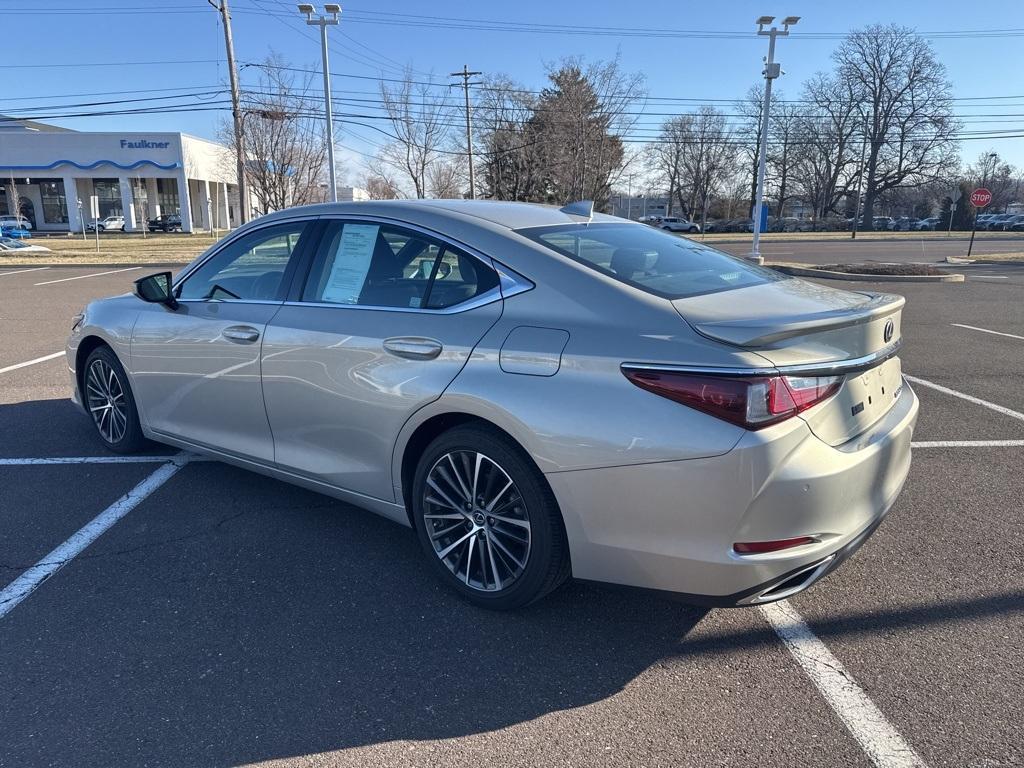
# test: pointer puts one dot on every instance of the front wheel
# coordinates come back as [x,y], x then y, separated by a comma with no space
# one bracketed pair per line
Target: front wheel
[487,520]
[692,230]
[108,398]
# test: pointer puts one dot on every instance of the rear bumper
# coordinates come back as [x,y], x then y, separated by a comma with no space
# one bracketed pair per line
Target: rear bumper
[671,525]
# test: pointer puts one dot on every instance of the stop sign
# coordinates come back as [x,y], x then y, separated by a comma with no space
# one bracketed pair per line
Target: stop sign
[981,197]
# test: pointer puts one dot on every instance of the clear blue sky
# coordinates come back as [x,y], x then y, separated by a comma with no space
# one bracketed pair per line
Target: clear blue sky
[82,35]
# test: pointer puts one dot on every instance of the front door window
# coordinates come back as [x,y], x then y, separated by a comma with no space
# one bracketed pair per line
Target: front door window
[249,269]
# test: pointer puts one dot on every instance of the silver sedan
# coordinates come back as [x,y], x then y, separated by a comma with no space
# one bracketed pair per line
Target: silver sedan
[538,392]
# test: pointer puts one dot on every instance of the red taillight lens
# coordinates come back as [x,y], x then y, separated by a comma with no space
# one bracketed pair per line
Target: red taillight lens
[751,403]
[761,547]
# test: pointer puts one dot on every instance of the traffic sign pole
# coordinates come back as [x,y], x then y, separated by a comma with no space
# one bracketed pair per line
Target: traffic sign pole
[970,247]
[979,199]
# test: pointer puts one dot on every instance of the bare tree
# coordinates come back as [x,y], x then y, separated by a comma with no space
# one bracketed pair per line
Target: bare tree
[748,134]
[903,90]
[380,184]
[285,149]
[420,121]
[666,158]
[446,176]
[830,131]
[999,177]
[785,136]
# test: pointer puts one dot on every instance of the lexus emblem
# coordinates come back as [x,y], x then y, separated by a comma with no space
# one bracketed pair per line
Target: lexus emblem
[890,328]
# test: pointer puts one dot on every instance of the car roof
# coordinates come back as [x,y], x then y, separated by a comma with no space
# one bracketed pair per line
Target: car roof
[511,215]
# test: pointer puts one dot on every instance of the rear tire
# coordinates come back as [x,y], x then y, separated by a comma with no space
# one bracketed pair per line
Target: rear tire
[107,397]
[502,547]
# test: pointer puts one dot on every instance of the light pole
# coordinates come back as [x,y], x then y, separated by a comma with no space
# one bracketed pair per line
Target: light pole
[771,71]
[323,22]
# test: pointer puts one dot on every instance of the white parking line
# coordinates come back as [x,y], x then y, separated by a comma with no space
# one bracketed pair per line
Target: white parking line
[968,444]
[29,581]
[27,363]
[82,277]
[879,739]
[20,271]
[989,277]
[986,330]
[969,398]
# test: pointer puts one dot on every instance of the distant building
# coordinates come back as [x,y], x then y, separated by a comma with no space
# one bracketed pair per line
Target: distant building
[54,171]
[352,194]
[638,206]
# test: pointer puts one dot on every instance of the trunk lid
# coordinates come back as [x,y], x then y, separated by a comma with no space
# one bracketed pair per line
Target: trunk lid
[798,323]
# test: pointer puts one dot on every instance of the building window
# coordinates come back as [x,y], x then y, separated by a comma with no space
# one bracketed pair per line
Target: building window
[167,195]
[109,193]
[55,208]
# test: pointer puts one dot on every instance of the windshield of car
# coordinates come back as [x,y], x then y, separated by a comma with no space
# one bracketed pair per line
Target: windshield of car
[655,261]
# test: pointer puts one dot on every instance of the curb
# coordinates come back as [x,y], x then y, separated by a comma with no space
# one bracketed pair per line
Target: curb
[853,276]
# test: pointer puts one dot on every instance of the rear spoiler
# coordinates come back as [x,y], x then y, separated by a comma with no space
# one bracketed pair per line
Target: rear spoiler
[760,332]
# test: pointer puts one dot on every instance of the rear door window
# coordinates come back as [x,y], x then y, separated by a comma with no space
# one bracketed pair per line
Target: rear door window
[380,265]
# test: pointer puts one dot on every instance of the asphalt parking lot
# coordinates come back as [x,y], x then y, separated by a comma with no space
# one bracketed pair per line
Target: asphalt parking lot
[230,619]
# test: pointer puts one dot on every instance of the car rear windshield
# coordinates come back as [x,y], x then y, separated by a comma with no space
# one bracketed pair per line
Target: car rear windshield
[666,265]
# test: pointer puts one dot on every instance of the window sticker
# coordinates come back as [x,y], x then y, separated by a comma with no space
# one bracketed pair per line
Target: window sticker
[351,263]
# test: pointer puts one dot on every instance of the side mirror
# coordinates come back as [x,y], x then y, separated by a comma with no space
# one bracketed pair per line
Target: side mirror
[156,289]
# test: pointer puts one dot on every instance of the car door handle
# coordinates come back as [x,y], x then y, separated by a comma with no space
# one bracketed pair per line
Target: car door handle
[413,347]
[240,333]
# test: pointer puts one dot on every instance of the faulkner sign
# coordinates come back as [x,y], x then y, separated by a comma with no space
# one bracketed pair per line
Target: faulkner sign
[144,144]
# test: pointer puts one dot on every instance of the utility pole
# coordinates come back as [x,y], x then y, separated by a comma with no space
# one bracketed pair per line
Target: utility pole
[236,112]
[771,71]
[323,22]
[465,74]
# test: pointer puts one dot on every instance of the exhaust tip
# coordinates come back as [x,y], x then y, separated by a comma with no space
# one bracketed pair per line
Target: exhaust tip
[794,583]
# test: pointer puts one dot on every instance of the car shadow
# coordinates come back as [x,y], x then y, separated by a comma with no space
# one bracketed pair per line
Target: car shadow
[47,428]
[232,619]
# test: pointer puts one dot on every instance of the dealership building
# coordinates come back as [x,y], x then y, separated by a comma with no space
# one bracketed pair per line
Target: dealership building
[51,173]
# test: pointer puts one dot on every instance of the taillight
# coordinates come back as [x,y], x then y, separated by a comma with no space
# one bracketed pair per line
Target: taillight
[750,402]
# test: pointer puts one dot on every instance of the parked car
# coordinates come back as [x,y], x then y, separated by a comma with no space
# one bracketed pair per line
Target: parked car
[927,224]
[15,222]
[741,225]
[110,223]
[168,222]
[566,367]
[1016,224]
[998,222]
[15,245]
[675,224]
[21,234]
[902,224]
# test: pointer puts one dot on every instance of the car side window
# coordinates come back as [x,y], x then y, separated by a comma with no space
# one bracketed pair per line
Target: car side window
[381,265]
[250,269]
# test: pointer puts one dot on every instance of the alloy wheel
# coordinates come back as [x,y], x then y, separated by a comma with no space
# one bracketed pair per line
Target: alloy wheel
[106,401]
[476,520]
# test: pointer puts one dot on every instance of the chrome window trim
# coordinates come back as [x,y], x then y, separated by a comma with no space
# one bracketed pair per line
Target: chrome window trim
[487,297]
[836,368]
[230,301]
